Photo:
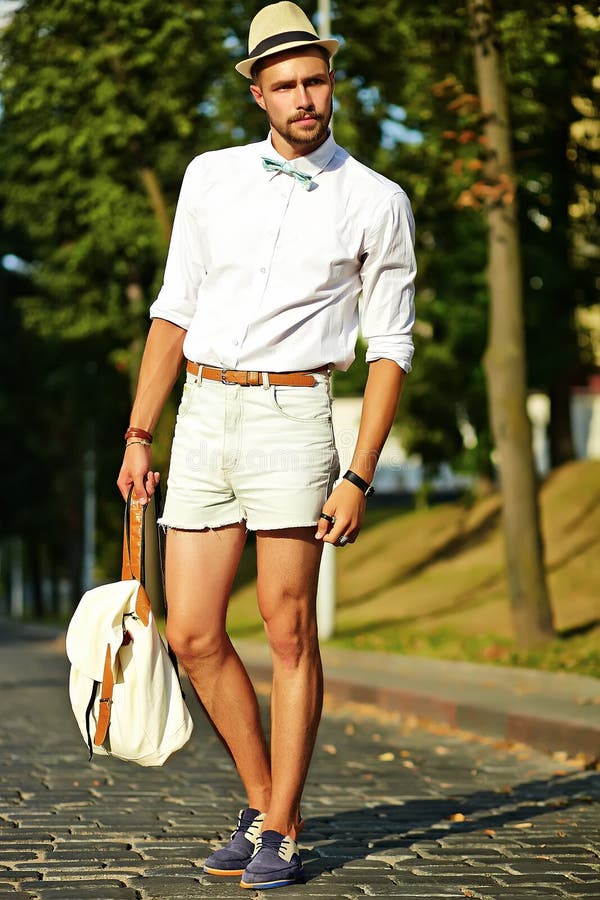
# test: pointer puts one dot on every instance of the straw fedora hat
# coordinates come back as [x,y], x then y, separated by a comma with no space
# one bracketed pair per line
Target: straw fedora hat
[279,27]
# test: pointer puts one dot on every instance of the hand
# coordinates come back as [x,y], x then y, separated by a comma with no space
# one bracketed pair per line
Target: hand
[346,505]
[136,471]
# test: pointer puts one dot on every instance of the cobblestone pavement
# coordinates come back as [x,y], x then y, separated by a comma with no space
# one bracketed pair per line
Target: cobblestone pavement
[391,811]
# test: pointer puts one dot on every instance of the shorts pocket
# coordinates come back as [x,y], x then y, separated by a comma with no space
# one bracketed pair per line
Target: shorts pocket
[302,404]
[186,399]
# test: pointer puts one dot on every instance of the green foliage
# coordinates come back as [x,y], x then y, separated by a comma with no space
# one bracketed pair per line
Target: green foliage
[95,95]
[402,54]
[103,106]
[105,103]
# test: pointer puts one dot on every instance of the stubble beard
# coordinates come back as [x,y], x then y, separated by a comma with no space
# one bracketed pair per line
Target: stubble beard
[300,136]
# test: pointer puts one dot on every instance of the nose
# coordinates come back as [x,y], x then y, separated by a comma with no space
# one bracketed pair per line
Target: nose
[303,100]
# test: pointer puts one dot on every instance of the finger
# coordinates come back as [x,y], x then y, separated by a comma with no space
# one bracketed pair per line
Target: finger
[139,490]
[150,482]
[124,487]
[336,532]
[326,521]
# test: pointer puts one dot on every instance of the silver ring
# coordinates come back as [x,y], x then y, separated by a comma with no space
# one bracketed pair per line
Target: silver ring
[342,540]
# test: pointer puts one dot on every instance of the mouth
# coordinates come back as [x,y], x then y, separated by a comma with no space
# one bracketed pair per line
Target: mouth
[307,119]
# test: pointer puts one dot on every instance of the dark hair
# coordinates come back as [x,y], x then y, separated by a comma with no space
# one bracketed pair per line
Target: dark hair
[258,65]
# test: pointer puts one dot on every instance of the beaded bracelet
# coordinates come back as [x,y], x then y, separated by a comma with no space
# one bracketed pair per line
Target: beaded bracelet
[143,443]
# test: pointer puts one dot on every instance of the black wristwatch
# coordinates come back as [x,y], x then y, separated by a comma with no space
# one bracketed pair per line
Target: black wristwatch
[364,486]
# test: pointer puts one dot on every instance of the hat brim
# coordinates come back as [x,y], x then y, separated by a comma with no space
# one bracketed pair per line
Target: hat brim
[245,66]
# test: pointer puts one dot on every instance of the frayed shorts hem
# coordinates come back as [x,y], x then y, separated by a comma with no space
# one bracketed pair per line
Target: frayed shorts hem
[253,527]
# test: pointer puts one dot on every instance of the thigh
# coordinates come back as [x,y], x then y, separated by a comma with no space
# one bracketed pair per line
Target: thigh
[288,571]
[199,570]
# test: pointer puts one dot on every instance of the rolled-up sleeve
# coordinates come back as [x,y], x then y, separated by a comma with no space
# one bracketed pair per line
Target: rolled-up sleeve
[184,270]
[387,309]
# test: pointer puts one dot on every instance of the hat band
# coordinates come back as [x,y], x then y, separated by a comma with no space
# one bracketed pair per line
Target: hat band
[286,37]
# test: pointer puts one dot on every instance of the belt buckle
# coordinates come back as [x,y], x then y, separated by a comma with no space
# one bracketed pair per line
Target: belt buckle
[224,377]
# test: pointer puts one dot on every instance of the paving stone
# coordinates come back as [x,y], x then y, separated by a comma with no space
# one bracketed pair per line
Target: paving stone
[72,830]
[15,895]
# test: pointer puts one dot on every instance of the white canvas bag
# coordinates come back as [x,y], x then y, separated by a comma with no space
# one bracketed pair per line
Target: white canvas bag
[123,685]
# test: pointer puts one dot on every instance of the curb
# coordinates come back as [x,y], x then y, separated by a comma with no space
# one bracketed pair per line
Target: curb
[550,712]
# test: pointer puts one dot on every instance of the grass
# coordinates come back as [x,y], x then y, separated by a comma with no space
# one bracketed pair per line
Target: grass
[432,582]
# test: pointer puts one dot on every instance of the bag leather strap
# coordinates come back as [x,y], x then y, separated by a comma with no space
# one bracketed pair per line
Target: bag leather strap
[132,568]
[133,540]
[106,693]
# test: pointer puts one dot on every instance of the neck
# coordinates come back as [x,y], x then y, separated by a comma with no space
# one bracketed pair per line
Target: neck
[294,151]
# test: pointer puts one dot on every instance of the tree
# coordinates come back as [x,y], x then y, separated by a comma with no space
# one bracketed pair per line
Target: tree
[408,64]
[505,358]
[103,106]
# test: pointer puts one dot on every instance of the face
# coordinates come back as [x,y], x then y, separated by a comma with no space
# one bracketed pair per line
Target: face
[295,90]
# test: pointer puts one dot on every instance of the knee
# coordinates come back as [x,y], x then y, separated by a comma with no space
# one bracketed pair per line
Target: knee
[192,647]
[291,639]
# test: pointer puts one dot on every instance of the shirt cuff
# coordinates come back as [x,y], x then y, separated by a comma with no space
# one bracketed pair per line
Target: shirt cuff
[400,350]
[175,316]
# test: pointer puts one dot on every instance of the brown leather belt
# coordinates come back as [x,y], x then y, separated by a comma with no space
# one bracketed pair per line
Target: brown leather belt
[253,379]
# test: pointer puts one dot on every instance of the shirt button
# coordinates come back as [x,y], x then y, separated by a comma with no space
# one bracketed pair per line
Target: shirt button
[263,270]
[235,342]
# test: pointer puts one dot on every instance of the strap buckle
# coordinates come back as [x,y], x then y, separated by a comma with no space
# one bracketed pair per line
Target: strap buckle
[224,377]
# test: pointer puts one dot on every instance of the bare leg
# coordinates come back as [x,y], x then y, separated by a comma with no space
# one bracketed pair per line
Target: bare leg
[200,567]
[288,567]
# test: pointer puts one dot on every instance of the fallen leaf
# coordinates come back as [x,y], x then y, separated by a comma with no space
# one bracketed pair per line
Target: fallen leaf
[408,764]
[329,748]
[523,825]
[386,757]
[490,832]
[457,817]
[442,751]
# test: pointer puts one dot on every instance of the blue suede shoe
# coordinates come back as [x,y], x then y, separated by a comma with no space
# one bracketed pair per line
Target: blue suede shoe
[276,863]
[233,859]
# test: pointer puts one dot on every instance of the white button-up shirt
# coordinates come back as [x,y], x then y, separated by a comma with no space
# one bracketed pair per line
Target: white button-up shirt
[268,276]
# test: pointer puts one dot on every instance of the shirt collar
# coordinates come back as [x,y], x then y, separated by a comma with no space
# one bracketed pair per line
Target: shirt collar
[311,164]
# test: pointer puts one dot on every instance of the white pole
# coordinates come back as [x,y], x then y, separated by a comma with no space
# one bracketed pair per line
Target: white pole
[327,573]
[17,583]
[324,20]
[88,562]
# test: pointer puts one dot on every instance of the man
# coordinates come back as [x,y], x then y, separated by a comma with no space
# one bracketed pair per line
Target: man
[273,245]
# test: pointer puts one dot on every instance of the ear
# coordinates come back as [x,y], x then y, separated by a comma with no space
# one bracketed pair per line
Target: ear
[258,95]
[332,80]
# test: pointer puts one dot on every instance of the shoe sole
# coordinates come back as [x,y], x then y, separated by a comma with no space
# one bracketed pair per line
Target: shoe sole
[210,871]
[281,882]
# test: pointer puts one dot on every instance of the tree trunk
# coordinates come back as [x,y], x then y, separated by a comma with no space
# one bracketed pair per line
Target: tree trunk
[157,202]
[505,355]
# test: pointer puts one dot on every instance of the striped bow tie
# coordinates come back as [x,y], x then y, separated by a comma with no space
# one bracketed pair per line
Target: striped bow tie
[271,165]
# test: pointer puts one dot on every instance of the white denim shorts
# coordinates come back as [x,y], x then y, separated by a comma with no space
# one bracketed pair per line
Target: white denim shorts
[265,456]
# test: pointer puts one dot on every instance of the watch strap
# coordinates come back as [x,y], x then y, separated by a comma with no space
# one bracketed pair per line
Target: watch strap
[360,483]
